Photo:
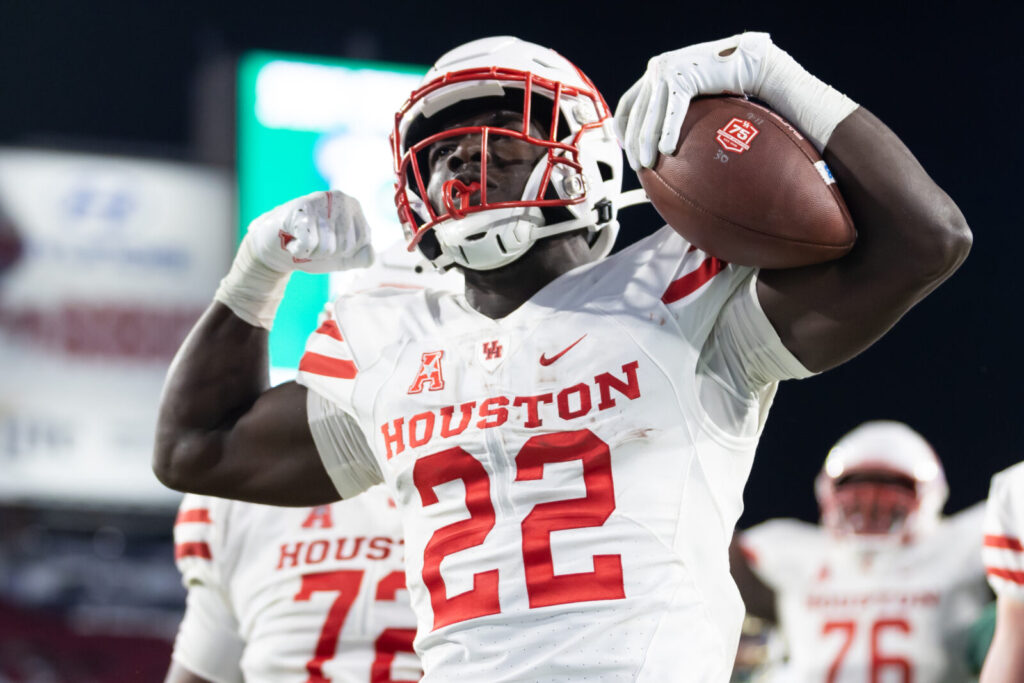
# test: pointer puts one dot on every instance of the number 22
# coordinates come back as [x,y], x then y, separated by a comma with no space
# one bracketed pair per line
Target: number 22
[543,586]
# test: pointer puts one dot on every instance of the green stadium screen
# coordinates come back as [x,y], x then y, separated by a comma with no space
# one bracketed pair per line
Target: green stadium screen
[311,123]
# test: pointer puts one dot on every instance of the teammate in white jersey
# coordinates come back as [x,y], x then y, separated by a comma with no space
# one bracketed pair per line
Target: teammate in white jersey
[293,594]
[1003,555]
[568,440]
[884,589]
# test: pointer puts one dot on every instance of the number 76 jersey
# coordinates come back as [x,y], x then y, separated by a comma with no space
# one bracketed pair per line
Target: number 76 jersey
[851,613]
[567,497]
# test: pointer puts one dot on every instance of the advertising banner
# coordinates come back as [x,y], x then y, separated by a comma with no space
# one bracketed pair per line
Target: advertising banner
[108,261]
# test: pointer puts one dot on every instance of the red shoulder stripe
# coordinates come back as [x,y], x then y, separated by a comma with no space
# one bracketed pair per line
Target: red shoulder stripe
[1008,574]
[319,364]
[197,515]
[192,549]
[330,328]
[1007,542]
[694,280]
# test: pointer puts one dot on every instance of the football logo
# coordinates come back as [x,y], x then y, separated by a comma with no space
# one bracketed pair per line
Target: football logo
[736,135]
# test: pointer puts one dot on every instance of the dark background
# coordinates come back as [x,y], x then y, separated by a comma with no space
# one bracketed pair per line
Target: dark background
[127,76]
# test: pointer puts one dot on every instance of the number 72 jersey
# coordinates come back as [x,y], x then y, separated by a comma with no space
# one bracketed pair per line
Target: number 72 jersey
[566,497]
[294,595]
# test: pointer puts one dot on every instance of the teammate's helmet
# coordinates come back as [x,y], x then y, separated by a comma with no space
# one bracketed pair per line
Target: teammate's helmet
[882,479]
[572,186]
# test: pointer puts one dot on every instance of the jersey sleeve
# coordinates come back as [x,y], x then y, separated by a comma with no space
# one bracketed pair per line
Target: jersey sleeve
[745,347]
[329,370]
[207,643]
[196,540]
[1002,552]
[742,357]
[779,551]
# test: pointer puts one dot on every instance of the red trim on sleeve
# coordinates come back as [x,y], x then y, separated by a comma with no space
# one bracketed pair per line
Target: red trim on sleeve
[1008,574]
[192,549]
[1006,542]
[319,364]
[694,280]
[749,555]
[196,515]
[330,328]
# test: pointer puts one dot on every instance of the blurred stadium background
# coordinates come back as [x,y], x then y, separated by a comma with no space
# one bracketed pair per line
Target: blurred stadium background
[137,138]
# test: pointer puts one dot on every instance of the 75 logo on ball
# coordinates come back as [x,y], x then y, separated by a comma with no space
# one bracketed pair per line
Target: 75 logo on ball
[736,135]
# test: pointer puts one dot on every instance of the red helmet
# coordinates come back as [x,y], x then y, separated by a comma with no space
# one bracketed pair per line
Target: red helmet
[881,480]
[573,185]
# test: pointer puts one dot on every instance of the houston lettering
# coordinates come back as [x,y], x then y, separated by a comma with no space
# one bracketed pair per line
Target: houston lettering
[570,403]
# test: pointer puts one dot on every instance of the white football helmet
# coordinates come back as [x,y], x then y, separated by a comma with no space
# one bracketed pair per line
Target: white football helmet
[574,184]
[853,502]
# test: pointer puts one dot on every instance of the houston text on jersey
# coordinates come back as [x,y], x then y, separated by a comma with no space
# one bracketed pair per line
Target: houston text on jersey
[571,403]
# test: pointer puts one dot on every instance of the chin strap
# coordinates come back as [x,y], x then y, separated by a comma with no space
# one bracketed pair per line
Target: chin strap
[631,198]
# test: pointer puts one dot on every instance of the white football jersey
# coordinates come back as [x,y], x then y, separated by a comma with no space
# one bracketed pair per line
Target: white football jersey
[1003,553]
[900,614]
[294,594]
[569,476]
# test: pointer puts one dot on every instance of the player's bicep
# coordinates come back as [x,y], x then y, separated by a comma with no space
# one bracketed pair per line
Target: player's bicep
[270,457]
[911,237]
[829,313]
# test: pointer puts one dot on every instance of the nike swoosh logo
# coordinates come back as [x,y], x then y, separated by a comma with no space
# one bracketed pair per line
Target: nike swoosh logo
[544,360]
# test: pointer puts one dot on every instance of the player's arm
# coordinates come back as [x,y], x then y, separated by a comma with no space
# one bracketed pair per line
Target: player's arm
[911,234]
[1005,660]
[911,237]
[220,430]
[758,597]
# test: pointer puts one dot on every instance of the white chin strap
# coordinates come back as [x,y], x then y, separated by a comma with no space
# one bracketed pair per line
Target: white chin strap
[490,239]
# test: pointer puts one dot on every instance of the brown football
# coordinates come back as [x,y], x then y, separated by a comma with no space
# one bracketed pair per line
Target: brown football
[744,185]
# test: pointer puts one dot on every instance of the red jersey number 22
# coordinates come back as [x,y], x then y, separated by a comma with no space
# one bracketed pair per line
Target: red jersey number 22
[543,586]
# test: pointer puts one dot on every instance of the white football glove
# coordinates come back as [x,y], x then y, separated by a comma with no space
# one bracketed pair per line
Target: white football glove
[650,115]
[321,232]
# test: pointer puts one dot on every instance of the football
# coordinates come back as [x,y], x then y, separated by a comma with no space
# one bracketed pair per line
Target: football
[745,186]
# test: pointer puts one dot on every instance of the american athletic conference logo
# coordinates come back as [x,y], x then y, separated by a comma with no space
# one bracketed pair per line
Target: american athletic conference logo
[429,375]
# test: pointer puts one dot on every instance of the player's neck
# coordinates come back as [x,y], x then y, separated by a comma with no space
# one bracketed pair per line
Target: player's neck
[496,293]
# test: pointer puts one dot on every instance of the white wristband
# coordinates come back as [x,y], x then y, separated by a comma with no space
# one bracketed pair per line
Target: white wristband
[250,289]
[811,105]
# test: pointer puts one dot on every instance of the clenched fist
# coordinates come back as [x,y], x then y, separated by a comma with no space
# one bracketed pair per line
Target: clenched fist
[318,233]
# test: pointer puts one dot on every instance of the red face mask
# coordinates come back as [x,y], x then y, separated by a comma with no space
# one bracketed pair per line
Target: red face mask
[874,506]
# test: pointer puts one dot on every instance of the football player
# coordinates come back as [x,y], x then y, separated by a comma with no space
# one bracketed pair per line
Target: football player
[885,588]
[1003,555]
[568,439]
[293,594]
